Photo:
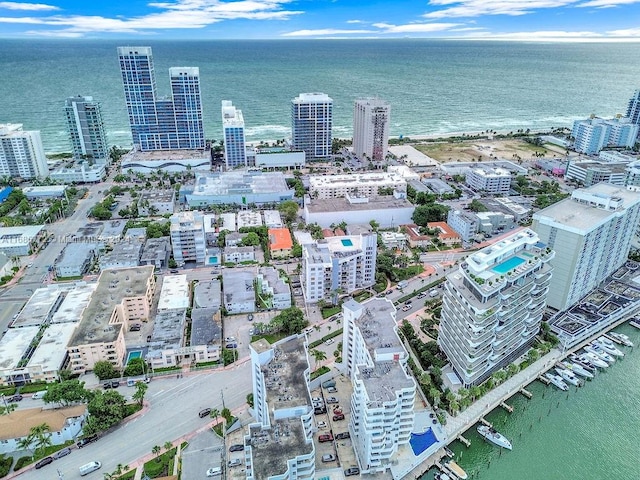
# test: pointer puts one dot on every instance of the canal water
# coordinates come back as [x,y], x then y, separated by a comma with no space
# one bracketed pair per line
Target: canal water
[587,433]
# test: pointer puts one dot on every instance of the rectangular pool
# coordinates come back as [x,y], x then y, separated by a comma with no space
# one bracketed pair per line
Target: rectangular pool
[347,242]
[134,354]
[507,265]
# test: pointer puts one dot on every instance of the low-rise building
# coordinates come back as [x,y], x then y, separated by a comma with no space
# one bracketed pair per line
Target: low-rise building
[494,222]
[156,202]
[206,334]
[273,290]
[464,223]
[15,345]
[445,234]
[74,303]
[79,172]
[415,238]
[41,306]
[234,239]
[122,254]
[21,241]
[388,211]
[174,294]
[239,291]
[280,242]
[149,162]
[156,252]
[272,219]
[275,157]
[248,218]
[45,191]
[207,295]
[50,355]
[489,180]
[166,348]
[589,172]
[438,186]
[394,240]
[355,185]
[227,221]
[76,259]
[239,254]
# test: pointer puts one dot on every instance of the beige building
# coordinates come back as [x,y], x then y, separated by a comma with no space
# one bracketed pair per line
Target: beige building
[122,295]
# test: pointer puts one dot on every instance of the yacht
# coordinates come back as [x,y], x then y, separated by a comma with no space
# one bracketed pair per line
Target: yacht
[494,437]
[622,338]
[456,469]
[568,376]
[608,346]
[582,363]
[577,369]
[593,359]
[557,381]
[598,351]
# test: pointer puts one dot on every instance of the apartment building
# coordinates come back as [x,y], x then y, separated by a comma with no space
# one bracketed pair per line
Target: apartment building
[371,119]
[21,153]
[235,154]
[86,129]
[356,185]
[187,237]
[593,134]
[492,305]
[495,181]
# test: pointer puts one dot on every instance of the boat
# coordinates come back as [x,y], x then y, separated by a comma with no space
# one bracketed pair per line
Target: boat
[449,453]
[557,381]
[577,369]
[456,469]
[491,435]
[608,346]
[584,364]
[622,338]
[568,376]
[441,476]
[593,359]
[599,352]
[634,323]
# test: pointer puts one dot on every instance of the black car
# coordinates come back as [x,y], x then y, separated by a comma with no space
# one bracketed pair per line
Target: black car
[61,453]
[205,412]
[238,447]
[342,436]
[351,471]
[115,383]
[106,385]
[319,410]
[15,398]
[86,440]
[43,462]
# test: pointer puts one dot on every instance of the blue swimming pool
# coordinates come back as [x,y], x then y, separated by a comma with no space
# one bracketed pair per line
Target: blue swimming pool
[421,441]
[507,265]
[346,242]
[134,354]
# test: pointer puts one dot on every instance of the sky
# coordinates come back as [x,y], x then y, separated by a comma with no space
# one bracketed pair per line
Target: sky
[526,20]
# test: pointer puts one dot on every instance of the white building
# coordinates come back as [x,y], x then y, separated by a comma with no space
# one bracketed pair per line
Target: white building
[86,129]
[233,132]
[384,392]
[338,265]
[14,344]
[273,290]
[45,191]
[492,305]
[21,153]
[311,123]
[174,294]
[248,218]
[356,185]
[371,119]
[593,134]
[239,293]
[277,157]
[591,233]
[395,240]
[19,241]
[489,180]
[589,172]
[81,172]
[237,254]
[156,202]
[272,219]
[388,211]
[187,237]
[50,355]
[279,446]
[76,259]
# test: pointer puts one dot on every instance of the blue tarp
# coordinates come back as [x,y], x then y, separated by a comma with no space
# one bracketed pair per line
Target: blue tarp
[4,193]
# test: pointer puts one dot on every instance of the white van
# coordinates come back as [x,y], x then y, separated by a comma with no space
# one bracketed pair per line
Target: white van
[38,395]
[89,467]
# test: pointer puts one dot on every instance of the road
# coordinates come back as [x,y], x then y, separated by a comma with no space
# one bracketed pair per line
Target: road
[173,413]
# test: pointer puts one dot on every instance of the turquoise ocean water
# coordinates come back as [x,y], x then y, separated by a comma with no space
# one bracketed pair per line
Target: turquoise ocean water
[433,86]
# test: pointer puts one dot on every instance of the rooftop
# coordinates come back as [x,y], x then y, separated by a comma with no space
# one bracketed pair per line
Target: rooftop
[174,293]
[277,284]
[355,180]
[446,232]
[238,286]
[138,156]
[18,236]
[155,248]
[249,218]
[76,253]
[20,422]
[168,328]
[52,349]
[343,204]
[40,306]
[280,239]
[123,254]
[207,294]
[114,285]
[205,329]
[14,344]
[74,303]
[236,182]
[272,219]
[157,196]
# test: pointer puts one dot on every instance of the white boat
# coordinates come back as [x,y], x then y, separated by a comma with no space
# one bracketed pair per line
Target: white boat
[568,376]
[577,369]
[608,346]
[557,381]
[622,338]
[596,350]
[456,469]
[583,363]
[491,435]
[593,359]
[443,476]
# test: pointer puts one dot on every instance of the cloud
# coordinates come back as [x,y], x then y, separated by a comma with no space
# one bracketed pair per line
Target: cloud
[606,3]
[541,35]
[27,6]
[476,8]
[181,14]
[415,27]
[324,31]
[629,32]
[355,21]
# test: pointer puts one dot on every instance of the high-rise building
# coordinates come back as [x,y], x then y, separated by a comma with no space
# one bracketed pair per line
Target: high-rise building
[371,117]
[593,134]
[21,153]
[382,402]
[591,233]
[187,237]
[311,122]
[492,306]
[235,150]
[86,129]
[161,124]
[633,109]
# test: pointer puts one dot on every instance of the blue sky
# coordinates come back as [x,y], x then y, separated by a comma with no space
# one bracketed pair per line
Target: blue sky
[568,20]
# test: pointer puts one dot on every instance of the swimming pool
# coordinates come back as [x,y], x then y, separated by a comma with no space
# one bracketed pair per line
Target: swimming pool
[134,354]
[507,265]
[346,242]
[421,441]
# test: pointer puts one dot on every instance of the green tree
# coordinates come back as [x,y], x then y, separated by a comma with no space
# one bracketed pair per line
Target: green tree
[134,367]
[374,225]
[318,356]
[41,436]
[290,320]
[289,210]
[250,399]
[105,370]
[66,393]
[296,251]
[477,206]
[433,212]
[167,446]
[141,389]
[251,240]
[106,409]
[215,413]
[156,451]
[99,212]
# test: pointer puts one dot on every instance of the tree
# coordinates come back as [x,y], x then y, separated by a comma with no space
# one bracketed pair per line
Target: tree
[434,393]
[374,225]
[66,393]
[296,251]
[250,399]
[141,389]
[477,206]
[291,321]
[156,451]
[106,409]
[251,240]
[318,356]
[134,367]
[168,446]
[215,413]
[433,212]
[105,370]
[41,436]
[289,210]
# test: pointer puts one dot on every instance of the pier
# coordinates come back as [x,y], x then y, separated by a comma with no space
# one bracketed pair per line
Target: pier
[526,393]
[466,442]
[507,407]
[484,422]
[633,323]
[615,340]
[544,380]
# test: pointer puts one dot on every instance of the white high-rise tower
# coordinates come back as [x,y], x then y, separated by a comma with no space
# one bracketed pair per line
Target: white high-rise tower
[371,118]
[233,129]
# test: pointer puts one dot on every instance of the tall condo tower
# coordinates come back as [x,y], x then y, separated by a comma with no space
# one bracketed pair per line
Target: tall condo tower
[21,153]
[161,124]
[492,306]
[633,109]
[371,128]
[311,122]
[591,233]
[233,129]
[86,129]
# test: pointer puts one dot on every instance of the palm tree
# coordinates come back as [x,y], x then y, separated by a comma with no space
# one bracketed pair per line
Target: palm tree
[156,451]
[475,392]
[168,446]
[434,393]
[42,436]
[215,413]
[25,443]
[318,356]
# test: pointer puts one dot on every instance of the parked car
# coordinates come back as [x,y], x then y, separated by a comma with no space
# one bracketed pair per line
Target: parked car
[319,410]
[325,437]
[205,412]
[332,400]
[388,292]
[106,385]
[338,416]
[230,339]
[236,462]
[332,390]
[322,424]
[115,383]
[316,399]
[238,447]
[61,453]
[351,471]
[422,295]
[250,317]
[212,472]
[342,435]
[14,398]
[328,384]
[329,342]
[231,345]
[406,308]
[43,462]
[328,457]
[86,440]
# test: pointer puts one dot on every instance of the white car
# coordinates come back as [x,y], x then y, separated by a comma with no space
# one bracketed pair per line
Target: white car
[329,342]
[322,425]
[212,472]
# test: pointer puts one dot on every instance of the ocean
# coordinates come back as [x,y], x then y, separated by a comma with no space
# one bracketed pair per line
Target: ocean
[434,87]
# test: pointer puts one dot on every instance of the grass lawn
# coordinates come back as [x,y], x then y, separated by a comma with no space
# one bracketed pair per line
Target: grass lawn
[329,311]
[161,466]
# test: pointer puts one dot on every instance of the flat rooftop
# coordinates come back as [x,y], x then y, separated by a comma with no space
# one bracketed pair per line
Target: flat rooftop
[174,293]
[75,254]
[356,179]
[205,330]
[155,249]
[114,285]
[239,181]
[75,301]
[52,349]
[238,286]
[14,344]
[329,205]
[112,229]
[207,294]
[39,307]
[18,236]
[168,328]
[158,196]
[134,156]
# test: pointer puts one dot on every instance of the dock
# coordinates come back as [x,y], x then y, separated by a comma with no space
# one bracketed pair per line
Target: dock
[615,340]
[464,441]
[544,380]
[526,393]
[484,422]
[507,407]
[633,323]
